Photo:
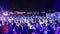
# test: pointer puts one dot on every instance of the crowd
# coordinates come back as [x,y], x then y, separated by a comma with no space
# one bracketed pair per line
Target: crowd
[36,27]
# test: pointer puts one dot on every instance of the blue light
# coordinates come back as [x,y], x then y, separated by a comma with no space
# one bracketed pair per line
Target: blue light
[13,29]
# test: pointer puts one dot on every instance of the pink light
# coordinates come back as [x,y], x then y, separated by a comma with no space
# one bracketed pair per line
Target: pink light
[4,19]
[5,13]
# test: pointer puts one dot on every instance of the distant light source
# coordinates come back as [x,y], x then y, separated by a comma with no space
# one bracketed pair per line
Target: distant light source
[4,19]
[20,12]
[5,13]
[50,10]
[42,12]
[13,29]
[11,13]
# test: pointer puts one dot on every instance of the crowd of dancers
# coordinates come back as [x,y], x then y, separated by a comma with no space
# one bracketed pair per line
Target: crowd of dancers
[25,26]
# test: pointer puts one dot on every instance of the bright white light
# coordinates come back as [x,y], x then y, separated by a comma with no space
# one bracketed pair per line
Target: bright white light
[9,20]
[46,24]
[52,14]
[13,29]
[12,23]
[12,19]
[5,13]
[45,31]
[24,20]
[4,19]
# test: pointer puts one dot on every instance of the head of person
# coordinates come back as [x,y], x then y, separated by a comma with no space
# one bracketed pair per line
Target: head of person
[5,22]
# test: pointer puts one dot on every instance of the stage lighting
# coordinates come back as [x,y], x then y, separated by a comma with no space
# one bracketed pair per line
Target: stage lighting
[4,19]
[13,29]
[5,13]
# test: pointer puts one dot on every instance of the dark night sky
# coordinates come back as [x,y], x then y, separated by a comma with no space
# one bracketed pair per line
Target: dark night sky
[29,4]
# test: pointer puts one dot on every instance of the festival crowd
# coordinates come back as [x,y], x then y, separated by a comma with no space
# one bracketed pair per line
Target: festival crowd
[29,27]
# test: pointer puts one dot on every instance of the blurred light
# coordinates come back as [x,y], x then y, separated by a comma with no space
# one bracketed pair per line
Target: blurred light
[13,29]
[12,23]
[12,18]
[58,27]
[5,13]
[20,12]
[4,19]
[2,22]
[45,32]
[50,10]
[0,25]
[42,12]
[46,24]
[11,13]
[9,20]
[29,12]
[33,28]
[25,20]
[47,17]
[7,23]
[52,15]
[40,22]
[59,14]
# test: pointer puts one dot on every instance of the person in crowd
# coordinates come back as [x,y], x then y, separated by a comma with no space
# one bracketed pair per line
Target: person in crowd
[1,27]
[34,27]
[5,27]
